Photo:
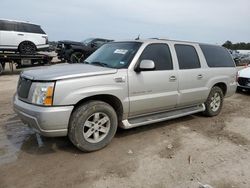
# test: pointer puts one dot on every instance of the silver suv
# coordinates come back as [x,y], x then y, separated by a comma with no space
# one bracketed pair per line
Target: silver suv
[126,84]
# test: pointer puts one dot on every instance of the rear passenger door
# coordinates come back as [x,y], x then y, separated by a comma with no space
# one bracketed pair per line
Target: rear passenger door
[154,90]
[192,77]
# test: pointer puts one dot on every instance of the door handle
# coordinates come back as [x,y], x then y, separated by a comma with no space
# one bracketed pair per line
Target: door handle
[172,78]
[20,34]
[200,76]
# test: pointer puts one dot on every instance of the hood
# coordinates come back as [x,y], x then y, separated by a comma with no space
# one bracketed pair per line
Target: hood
[245,73]
[66,71]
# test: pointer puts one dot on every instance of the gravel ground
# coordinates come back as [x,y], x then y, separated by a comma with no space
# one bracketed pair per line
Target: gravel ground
[177,153]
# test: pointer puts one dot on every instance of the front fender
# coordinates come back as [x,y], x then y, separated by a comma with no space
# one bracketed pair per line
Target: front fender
[71,91]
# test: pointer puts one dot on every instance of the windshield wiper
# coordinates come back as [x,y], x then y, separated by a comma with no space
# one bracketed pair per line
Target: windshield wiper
[85,62]
[99,63]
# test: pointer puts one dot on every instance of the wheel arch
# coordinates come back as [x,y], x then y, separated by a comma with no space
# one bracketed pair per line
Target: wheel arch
[223,87]
[110,99]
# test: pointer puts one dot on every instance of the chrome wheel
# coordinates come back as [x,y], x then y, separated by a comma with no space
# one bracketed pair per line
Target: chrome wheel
[96,127]
[215,102]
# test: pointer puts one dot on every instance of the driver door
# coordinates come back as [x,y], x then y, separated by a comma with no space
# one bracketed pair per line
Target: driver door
[153,90]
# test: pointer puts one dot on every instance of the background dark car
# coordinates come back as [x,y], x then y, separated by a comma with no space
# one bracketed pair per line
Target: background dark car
[75,52]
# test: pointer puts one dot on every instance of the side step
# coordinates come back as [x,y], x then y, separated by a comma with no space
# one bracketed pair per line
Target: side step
[162,116]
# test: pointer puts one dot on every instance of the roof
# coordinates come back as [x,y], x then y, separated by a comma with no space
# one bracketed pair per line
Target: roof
[19,21]
[153,40]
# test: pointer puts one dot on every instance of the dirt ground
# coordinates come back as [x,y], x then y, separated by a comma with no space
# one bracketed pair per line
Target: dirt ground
[179,153]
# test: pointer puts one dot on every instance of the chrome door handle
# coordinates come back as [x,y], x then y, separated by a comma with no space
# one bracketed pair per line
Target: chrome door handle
[199,76]
[20,34]
[172,78]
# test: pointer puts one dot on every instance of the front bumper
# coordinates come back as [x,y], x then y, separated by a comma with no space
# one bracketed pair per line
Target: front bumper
[243,87]
[243,82]
[47,121]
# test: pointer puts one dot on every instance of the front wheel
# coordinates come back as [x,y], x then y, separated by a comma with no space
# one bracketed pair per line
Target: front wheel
[92,126]
[214,102]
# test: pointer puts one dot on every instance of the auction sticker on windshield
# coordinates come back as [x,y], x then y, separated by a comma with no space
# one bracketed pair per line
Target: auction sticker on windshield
[120,51]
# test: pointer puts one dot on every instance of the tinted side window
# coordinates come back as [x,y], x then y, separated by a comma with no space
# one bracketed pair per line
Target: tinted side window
[35,29]
[20,27]
[1,25]
[160,54]
[7,26]
[29,28]
[217,56]
[187,57]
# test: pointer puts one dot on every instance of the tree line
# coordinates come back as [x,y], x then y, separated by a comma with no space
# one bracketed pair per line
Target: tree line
[237,46]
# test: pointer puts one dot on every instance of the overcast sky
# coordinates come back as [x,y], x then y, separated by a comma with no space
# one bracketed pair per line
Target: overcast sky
[213,21]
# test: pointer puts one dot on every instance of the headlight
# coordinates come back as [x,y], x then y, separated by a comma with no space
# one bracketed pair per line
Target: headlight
[43,93]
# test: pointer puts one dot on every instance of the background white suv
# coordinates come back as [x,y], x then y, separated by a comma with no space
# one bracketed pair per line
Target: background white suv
[25,37]
[244,78]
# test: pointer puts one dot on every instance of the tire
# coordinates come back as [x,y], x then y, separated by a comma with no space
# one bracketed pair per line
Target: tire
[214,102]
[84,126]
[76,57]
[27,47]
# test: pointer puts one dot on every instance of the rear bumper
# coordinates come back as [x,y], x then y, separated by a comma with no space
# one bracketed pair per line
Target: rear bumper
[47,121]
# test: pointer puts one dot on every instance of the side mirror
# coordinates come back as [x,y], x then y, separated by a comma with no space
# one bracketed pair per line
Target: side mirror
[145,65]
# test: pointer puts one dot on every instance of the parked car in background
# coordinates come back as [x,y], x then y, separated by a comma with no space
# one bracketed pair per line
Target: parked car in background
[127,83]
[76,52]
[244,79]
[24,37]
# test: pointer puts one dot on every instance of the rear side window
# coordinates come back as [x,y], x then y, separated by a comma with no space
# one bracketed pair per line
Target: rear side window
[217,56]
[187,57]
[160,54]
[29,28]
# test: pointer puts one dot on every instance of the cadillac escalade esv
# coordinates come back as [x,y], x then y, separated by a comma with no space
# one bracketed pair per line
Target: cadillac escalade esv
[126,84]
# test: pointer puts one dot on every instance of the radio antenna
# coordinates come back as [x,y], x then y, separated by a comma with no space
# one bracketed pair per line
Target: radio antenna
[138,37]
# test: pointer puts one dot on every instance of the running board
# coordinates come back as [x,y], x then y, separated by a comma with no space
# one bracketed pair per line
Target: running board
[163,116]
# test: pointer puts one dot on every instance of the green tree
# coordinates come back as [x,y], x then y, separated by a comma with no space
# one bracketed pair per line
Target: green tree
[237,46]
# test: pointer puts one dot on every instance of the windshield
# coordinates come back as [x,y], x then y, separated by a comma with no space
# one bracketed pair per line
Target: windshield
[87,41]
[114,55]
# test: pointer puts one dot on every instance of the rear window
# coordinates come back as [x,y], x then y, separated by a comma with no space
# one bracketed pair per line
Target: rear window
[217,56]
[187,57]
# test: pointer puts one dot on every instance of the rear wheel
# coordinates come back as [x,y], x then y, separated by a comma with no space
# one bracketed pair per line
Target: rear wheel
[27,47]
[76,57]
[92,126]
[214,102]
